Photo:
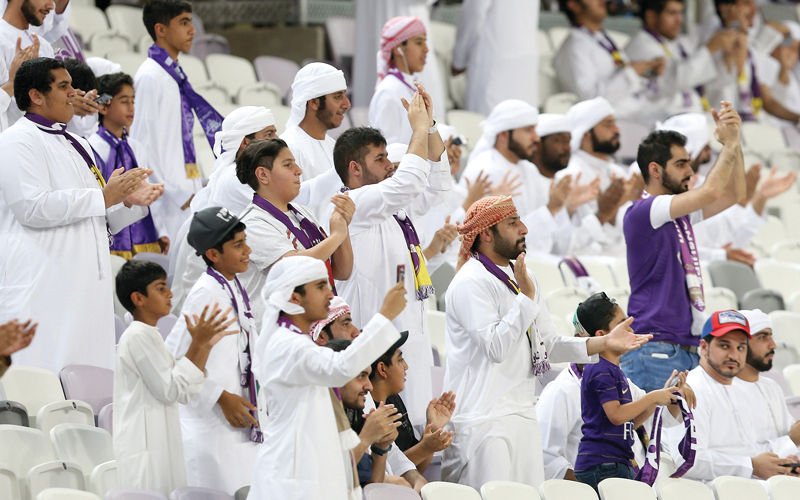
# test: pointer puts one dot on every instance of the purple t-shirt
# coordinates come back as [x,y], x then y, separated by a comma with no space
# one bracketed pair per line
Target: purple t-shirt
[602,441]
[659,301]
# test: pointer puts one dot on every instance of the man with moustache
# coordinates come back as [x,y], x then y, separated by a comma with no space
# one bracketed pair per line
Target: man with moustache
[725,441]
[663,260]
[553,153]
[772,426]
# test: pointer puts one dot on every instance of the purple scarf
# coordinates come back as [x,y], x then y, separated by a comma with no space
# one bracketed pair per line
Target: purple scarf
[141,236]
[412,242]
[247,379]
[649,471]
[754,95]
[538,353]
[308,234]
[53,128]
[691,262]
[395,72]
[687,99]
[68,47]
[608,44]
[210,119]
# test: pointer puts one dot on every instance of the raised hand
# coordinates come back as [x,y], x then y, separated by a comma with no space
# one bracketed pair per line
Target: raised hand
[380,423]
[345,206]
[15,336]
[507,187]
[121,185]
[728,124]
[523,279]
[428,101]
[622,338]
[434,440]
[440,410]
[146,194]
[212,330]
[441,239]
[772,185]
[84,104]
[582,193]
[559,192]
[477,189]
[394,302]
[417,113]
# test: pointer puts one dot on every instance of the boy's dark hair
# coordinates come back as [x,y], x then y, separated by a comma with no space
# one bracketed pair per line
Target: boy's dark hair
[82,75]
[353,145]
[562,6]
[112,85]
[136,276]
[301,290]
[34,74]
[338,344]
[657,147]
[238,228]
[260,153]
[162,12]
[656,6]
[386,359]
[717,3]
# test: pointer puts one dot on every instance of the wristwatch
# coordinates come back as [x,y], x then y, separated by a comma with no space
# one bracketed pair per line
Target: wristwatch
[380,451]
[434,128]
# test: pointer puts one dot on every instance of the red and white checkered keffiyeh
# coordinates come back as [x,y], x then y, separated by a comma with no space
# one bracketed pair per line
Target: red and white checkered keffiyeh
[482,215]
[337,308]
[396,31]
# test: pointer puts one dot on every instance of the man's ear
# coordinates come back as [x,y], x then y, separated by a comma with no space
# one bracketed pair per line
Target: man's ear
[213,255]
[655,170]
[295,298]
[161,30]
[262,174]
[486,235]
[703,347]
[137,299]
[354,168]
[380,369]
[313,104]
[37,97]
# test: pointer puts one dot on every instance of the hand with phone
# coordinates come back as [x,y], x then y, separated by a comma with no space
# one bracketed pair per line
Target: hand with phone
[84,103]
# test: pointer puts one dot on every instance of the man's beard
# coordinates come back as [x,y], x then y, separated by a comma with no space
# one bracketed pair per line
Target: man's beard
[605,147]
[518,149]
[326,118]
[719,369]
[759,364]
[508,249]
[671,185]
[29,12]
[554,164]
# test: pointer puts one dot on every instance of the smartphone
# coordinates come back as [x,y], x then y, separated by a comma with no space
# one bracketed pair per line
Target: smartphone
[401,273]
[794,466]
[103,99]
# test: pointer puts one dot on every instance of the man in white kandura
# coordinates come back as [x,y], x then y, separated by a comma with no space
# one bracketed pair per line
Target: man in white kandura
[55,214]
[308,439]
[499,339]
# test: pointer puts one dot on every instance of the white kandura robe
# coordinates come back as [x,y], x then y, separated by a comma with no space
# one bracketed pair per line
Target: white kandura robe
[595,238]
[54,258]
[769,417]
[379,247]
[158,124]
[547,233]
[54,26]
[586,69]
[302,455]
[371,15]
[489,367]
[8,47]
[724,442]
[148,385]
[497,43]
[674,91]
[313,156]
[218,455]
[386,110]
[559,412]
[726,87]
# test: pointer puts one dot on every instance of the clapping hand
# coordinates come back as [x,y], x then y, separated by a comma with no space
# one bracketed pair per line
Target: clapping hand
[440,410]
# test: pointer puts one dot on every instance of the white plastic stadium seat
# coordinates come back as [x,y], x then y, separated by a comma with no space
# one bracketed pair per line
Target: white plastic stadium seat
[738,488]
[762,138]
[507,490]
[783,487]
[468,124]
[786,251]
[108,42]
[277,70]
[786,327]
[545,45]
[92,449]
[448,491]
[682,489]
[559,489]
[774,231]
[386,491]
[198,493]
[720,299]
[559,103]
[32,387]
[265,94]
[130,61]
[563,302]
[621,294]
[127,21]
[9,484]
[56,474]
[65,494]
[547,273]
[783,277]
[87,21]
[616,488]
[230,72]
[70,411]
[557,36]
[436,327]
[548,85]
[792,375]
[195,70]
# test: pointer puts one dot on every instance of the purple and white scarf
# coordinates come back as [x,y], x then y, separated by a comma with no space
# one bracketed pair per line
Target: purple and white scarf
[687,447]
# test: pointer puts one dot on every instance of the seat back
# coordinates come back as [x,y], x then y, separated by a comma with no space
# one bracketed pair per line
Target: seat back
[342,37]
[468,124]
[87,20]
[441,279]
[437,380]
[616,488]
[159,258]
[103,478]
[127,21]
[630,135]
[762,137]
[265,94]
[386,491]
[783,277]
[766,300]
[559,103]
[277,70]
[134,494]
[64,412]
[436,329]
[65,494]
[779,379]
[84,445]
[558,489]
[92,384]
[130,61]
[735,276]
[507,490]
[783,487]
[31,387]
[774,231]
[13,413]
[720,299]
[448,491]
[9,484]
[195,70]
[563,302]
[54,474]
[106,418]
[196,493]
[230,72]
[682,489]
[786,251]
[792,375]
[738,488]
[547,273]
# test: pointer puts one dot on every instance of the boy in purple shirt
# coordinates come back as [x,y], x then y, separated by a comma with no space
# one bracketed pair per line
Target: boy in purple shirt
[663,264]
[610,416]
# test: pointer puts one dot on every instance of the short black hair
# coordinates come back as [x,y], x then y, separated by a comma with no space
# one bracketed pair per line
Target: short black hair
[717,3]
[656,6]
[353,145]
[321,102]
[338,344]
[300,290]
[162,12]
[259,153]
[112,85]
[82,75]
[36,74]
[657,147]
[562,6]
[136,276]
[386,359]
[238,228]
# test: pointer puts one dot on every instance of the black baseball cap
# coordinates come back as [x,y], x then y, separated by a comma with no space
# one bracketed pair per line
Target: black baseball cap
[209,226]
[591,313]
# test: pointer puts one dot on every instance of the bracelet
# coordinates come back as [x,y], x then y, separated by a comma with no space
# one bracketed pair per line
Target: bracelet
[434,128]
[380,451]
